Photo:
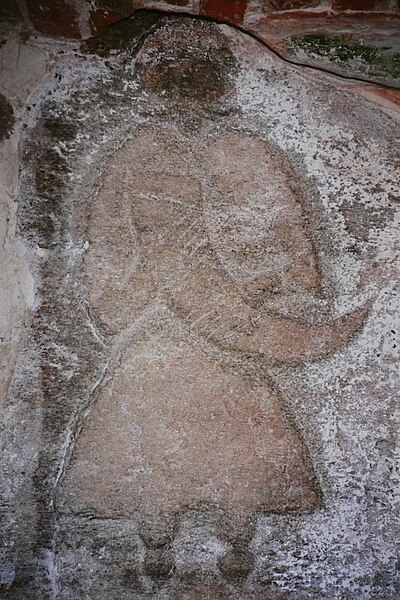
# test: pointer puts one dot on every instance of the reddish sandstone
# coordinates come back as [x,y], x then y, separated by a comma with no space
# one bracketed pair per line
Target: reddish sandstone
[269,5]
[380,5]
[54,17]
[386,97]
[108,12]
[224,10]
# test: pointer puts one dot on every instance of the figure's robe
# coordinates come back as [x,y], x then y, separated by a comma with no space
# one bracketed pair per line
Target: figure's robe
[171,430]
[176,424]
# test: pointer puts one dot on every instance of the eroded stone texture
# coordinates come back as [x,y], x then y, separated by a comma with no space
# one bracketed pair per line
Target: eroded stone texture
[172,431]
[168,235]
[106,12]
[273,21]
[233,11]
[9,11]
[127,34]
[269,5]
[178,2]
[214,228]
[364,5]
[196,73]
[215,592]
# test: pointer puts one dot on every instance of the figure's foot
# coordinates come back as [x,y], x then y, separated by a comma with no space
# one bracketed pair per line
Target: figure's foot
[159,563]
[236,564]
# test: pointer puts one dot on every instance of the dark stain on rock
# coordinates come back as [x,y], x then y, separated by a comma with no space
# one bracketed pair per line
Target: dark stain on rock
[188,78]
[194,71]
[43,220]
[7,118]
[361,219]
[9,12]
[130,579]
[48,177]
[60,129]
[128,33]
[159,563]
[114,558]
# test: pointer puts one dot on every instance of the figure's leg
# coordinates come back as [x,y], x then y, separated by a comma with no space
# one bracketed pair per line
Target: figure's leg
[158,536]
[237,563]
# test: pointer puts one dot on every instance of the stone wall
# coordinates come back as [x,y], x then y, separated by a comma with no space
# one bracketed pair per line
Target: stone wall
[198,303]
[71,18]
[348,37]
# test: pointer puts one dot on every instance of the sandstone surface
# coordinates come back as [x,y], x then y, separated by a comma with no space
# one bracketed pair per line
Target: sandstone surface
[201,387]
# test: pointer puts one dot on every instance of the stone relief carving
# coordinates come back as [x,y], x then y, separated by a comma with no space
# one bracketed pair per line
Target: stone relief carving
[178,311]
[190,248]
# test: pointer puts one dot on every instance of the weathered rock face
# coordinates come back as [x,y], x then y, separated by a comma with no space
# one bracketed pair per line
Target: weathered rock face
[55,17]
[354,38]
[203,402]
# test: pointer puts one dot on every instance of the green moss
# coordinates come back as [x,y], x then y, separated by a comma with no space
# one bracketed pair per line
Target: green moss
[334,48]
[396,65]
[376,61]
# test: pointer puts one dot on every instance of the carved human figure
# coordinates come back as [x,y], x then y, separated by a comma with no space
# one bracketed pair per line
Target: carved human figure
[191,245]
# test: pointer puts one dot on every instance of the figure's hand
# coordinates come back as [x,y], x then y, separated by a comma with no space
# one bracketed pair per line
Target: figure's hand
[214,306]
[284,340]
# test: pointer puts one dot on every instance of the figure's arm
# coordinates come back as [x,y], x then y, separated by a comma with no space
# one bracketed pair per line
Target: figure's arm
[212,304]
[119,284]
[287,341]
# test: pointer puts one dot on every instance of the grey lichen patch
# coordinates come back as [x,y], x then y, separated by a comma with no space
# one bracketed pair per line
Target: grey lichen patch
[127,33]
[7,118]
[352,56]
[361,219]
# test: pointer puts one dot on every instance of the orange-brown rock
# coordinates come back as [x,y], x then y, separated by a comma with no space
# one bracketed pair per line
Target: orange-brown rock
[229,10]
